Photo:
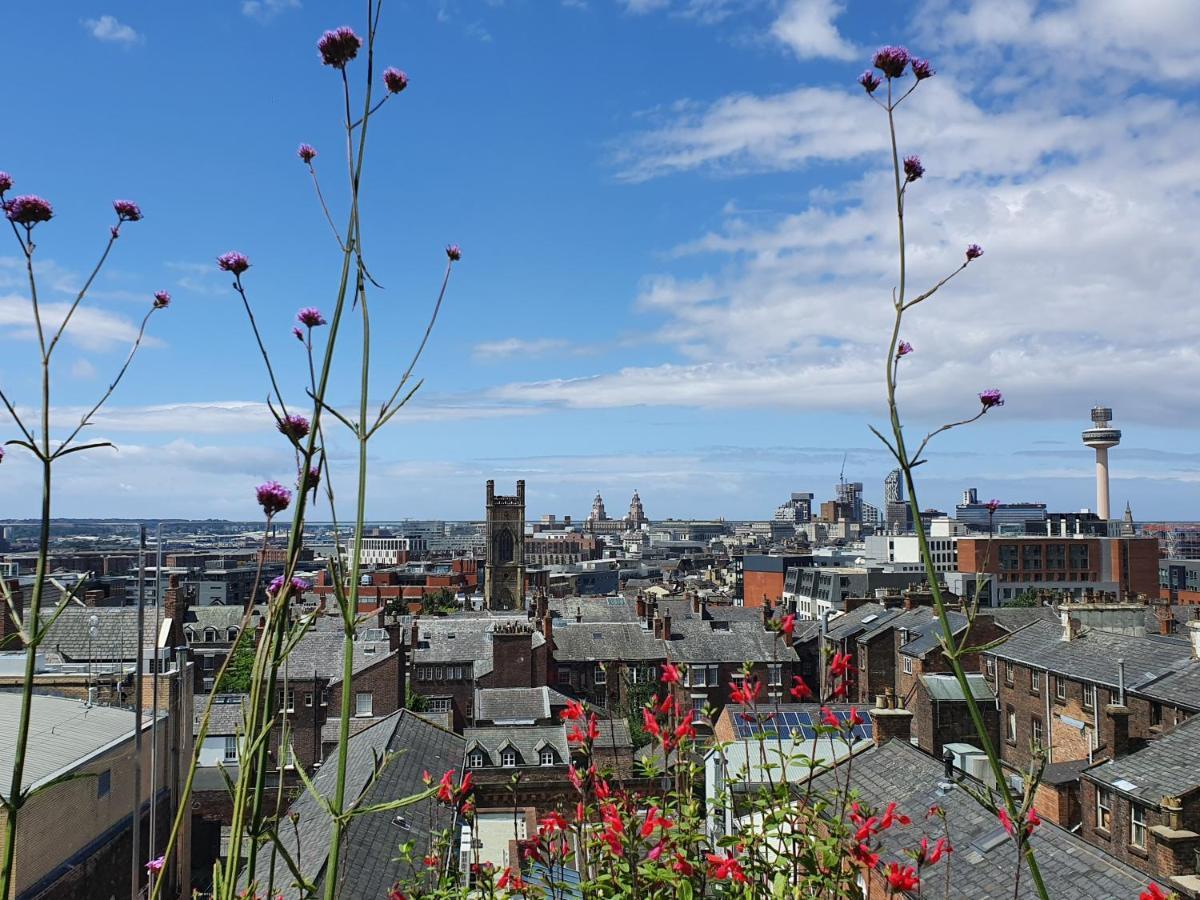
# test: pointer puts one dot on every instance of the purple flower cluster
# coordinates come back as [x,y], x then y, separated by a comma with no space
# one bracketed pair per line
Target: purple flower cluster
[5,182]
[974,252]
[395,80]
[922,69]
[307,152]
[913,168]
[992,505]
[298,333]
[233,262]
[273,497]
[991,398]
[161,299]
[28,210]
[299,585]
[903,349]
[454,252]
[339,46]
[311,481]
[891,61]
[310,316]
[869,80]
[127,210]
[294,426]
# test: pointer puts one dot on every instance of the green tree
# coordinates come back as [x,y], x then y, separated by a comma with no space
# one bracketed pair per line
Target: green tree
[236,679]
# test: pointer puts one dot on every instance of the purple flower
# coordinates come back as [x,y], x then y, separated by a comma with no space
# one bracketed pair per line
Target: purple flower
[5,182]
[233,262]
[913,168]
[395,80]
[992,505]
[298,333]
[155,865]
[903,349]
[974,252]
[891,61]
[273,497]
[990,398]
[127,210]
[28,210]
[299,585]
[339,46]
[307,152]
[161,299]
[294,426]
[922,69]
[310,316]
[454,252]
[311,481]
[869,80]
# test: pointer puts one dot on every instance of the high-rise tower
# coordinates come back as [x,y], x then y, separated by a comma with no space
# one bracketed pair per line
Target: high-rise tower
[1100,437]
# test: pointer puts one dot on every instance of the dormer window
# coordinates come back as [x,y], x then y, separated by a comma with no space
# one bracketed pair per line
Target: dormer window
[508,758]
[475,759]
[547,757]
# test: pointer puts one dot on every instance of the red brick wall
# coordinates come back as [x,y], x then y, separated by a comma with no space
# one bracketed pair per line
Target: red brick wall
[757,584]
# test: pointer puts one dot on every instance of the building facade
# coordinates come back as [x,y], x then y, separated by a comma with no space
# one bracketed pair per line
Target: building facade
[504,571]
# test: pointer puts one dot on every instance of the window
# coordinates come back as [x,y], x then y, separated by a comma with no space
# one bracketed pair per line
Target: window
[308,698]
[103,784]
[1103,808]
[600,676]
[291,699]
[287,758]
[699,703]
[564,676]
[230,748]
[1012,725]
[475,759]
[907,665]
[232,633]
[1079,556]
[697,676]
[1156,715]
[508,758]
[1089,696]
[1137,825]
[1060,688]
[1035,681]
[774,673]
[1008,672]
[440,704]
[1036,734]
[548,757]
[364,703]
[324,696]
[438,673]
[989,666]
[210,635]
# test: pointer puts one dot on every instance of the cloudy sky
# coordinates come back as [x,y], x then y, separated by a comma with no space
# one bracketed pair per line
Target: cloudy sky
[678,253]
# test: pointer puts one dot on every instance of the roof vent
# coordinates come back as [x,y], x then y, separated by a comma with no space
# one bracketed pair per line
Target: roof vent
[402,823]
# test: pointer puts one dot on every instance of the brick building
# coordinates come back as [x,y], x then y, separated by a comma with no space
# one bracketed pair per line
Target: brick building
[1069,566]
[763,576]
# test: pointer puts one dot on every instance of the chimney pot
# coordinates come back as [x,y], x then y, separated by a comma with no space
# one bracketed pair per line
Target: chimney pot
[1194,638]
[948,764]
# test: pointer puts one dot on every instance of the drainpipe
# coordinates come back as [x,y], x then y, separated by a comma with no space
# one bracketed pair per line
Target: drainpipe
[1120,682]
[1049,724]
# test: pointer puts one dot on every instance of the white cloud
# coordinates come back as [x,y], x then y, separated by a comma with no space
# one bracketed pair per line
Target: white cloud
[507,348]
[90,327]
[807,27]
[108,29]
[83,369]
[265,10]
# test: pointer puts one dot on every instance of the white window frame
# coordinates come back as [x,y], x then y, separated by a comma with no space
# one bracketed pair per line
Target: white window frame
[696,676]
[1137,825]
[440,704]
[1089,696]
[475,759]
[230,744]
[774,674]
[1011,719]
[1035,680]
[1009,672]
[599,676]
[358,704]
[908,668]
[1060,688]
[508,758]
[1103,809]
[1037,731]
[547,757]
[989,664]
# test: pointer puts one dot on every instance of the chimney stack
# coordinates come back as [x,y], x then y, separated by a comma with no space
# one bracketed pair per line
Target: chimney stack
[414,634]
[93,598]
[666,625]
[1114,730]
[658,626]
[1068,624]
[1194,638]
[641,605]
[891,723]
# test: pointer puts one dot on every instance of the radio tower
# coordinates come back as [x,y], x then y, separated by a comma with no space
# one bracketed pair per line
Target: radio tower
[1100,437]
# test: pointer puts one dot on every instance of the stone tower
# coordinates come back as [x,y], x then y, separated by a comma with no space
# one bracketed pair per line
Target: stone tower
[598,513]
[637,515]
[504,570]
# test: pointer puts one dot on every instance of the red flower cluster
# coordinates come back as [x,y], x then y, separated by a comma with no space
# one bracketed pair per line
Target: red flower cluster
[902,878]
[1032,821]
[724,867]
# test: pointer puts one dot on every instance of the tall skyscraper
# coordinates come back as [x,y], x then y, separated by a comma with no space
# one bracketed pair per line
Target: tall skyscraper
[1100,437]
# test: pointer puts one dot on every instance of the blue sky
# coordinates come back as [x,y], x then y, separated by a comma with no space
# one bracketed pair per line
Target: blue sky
[677,249]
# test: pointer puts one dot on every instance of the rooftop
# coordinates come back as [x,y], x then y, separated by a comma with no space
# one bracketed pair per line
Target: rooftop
[1165,767]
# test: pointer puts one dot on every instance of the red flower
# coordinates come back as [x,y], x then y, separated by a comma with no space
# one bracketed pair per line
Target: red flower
[551,822]
[670,673]
[653,821]
[1152,892]
[787,624]
[927,857]
[573,711]
[800,691]
[650,723]
[902,879]
[828,718]
[864,855]
[840,665]
[682,866]
[722,867]
[684,729]
[747,693]
[890,818]
[510,880]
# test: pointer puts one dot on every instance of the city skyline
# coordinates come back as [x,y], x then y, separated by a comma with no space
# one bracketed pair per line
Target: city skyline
[709,333]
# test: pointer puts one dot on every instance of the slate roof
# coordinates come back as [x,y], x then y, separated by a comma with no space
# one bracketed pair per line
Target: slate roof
[218,617]
[1165,767]
[693,640]
[594,609]
[850,625]
[929,634]
[592,641]
[462,639]
[63,735]
[614,734]
[368,867]
[116,633]
[1092,655]
[507,704]
[1179,688]
[1072,869]
[946,687]
[1014,618]
[319,654]
[527,740]
[225,717]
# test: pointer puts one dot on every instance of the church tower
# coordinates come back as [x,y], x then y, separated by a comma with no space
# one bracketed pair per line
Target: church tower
[504,569]
[637,515]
